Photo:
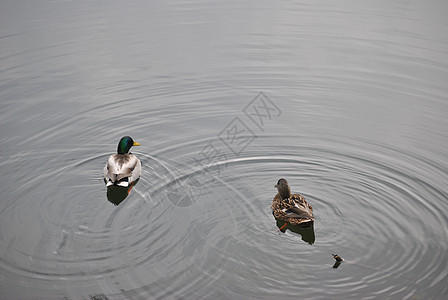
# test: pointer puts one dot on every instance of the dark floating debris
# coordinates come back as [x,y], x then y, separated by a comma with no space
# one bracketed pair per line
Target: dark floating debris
[337,257]
[98,297]
[338,262]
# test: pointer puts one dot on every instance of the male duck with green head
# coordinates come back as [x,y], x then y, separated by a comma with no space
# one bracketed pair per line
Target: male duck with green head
[123,168]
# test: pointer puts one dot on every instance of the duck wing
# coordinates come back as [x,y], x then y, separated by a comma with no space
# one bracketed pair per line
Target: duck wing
[298,209]
[298,212]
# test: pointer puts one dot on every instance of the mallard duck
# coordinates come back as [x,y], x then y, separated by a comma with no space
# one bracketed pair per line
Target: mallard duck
[291,208]
[123,168]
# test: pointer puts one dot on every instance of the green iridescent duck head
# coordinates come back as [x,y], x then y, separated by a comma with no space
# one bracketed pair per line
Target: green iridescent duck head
[125,145]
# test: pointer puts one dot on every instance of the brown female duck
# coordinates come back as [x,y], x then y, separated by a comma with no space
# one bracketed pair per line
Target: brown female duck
[291,208]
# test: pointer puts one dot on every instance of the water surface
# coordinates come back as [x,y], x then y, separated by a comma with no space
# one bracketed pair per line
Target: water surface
[347,100]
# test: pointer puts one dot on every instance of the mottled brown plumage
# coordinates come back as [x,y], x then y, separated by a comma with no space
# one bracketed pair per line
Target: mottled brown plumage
[291,208]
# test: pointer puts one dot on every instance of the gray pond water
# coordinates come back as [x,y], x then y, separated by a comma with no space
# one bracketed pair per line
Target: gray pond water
[347,100]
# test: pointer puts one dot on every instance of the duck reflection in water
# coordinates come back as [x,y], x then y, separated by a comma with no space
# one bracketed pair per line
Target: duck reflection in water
[293,212]
[117,194]
[307,232]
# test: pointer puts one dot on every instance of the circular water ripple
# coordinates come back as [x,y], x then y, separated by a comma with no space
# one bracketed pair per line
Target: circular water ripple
[211,224]
[195,228]
[373,205]
[370,205]
[80,237]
